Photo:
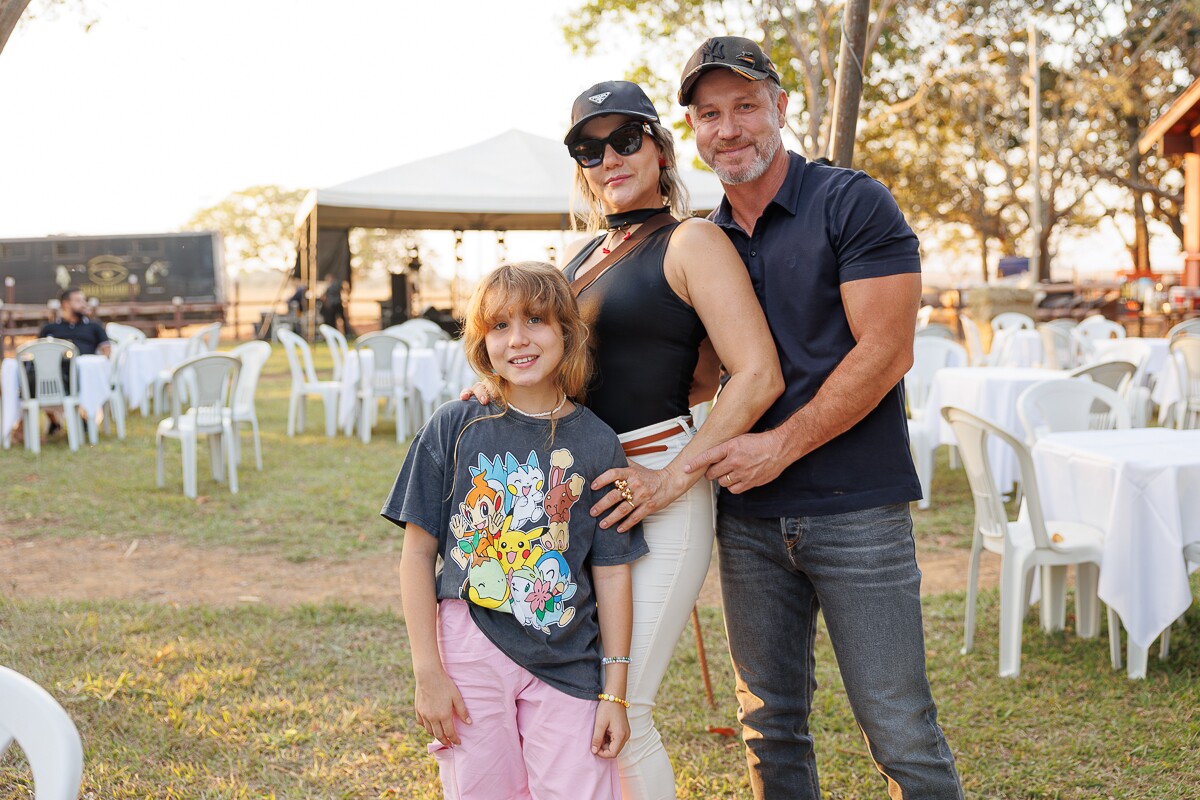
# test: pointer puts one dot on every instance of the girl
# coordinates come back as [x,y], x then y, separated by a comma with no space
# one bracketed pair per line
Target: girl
[505,634]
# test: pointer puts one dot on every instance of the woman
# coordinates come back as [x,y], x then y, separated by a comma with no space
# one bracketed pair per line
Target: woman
[652,288]
[650,311]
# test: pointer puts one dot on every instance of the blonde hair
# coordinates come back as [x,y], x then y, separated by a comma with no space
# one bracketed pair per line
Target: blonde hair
[670,187]
[537,289]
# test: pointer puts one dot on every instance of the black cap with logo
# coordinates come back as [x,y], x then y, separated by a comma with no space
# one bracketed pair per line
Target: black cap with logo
[610,97]
[736,53]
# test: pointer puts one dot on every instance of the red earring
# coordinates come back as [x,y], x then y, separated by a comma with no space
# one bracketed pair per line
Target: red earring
[662,162]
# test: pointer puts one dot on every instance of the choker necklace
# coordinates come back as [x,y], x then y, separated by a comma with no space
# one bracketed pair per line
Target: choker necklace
[635,217]
[622,222]
[541,414]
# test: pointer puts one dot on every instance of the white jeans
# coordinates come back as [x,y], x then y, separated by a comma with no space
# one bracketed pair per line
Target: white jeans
[666,583]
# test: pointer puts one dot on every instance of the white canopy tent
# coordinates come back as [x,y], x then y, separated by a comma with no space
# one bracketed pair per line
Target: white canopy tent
[514,181]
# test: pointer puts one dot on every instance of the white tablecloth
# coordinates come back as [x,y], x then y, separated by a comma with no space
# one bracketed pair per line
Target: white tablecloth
[93,391]
[1142,488]
[991,393]
[143,362]
[1018,348]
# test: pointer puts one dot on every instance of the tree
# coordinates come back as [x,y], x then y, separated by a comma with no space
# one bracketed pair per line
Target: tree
[15,12]
[258,226]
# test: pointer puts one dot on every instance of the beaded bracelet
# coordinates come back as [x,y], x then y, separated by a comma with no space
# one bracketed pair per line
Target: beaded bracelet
[612,698]
[614,660]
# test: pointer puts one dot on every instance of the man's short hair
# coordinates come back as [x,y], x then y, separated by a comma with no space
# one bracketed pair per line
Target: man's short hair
[66,293]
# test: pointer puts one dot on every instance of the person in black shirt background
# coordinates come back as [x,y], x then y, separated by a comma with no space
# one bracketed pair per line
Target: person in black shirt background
[73,324]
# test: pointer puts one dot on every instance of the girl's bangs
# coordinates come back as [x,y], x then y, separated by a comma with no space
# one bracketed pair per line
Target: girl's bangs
[530,297]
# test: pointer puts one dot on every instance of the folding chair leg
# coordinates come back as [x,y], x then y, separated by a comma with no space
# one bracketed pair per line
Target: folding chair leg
[972,597]
[1054,597]
[1087,603]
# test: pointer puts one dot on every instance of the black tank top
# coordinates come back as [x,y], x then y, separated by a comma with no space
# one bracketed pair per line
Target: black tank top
[646,339]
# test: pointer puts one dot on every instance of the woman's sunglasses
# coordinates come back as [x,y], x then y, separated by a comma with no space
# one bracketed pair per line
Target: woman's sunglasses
[625,141]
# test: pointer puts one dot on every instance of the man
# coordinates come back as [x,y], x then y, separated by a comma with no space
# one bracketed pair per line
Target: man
[74,325]
[813,513]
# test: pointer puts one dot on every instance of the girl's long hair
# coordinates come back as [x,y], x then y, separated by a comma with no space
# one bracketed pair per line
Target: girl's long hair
[538,289]
[670,188]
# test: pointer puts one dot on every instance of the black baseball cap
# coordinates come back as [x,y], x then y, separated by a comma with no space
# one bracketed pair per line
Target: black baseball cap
[610,97]
[736,53]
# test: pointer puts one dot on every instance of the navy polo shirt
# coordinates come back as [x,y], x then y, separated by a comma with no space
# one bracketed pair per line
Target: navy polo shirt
[87,335]
[826,226]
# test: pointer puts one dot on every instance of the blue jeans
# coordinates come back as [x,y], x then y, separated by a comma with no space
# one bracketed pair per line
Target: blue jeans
[860,570]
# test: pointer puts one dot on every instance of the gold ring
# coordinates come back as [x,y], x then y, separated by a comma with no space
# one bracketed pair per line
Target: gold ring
[728,479]
[632,507]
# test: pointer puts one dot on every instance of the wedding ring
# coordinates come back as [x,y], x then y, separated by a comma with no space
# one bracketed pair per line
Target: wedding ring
[632,507]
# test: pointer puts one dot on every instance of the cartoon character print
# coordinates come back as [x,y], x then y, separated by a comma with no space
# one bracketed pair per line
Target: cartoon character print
[561,495]
[487,585]
[525,483]
[516,548]
[480,519]
[534,602]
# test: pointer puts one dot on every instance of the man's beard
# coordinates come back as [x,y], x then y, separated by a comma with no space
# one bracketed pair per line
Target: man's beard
[764,153]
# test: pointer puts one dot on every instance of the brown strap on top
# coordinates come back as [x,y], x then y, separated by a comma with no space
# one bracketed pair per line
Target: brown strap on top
[620,251]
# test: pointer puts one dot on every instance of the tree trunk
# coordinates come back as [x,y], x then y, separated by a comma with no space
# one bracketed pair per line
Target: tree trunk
[10,13]
[1141,227]
[983,255]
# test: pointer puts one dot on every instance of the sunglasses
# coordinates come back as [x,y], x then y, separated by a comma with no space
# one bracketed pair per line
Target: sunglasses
[625,141]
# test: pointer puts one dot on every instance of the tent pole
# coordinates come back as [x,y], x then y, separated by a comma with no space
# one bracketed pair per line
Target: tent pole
[458,260]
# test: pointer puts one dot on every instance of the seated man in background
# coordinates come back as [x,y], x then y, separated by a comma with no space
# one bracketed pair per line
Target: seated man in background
[73,324]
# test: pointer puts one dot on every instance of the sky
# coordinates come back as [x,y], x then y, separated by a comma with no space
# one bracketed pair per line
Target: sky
[164,107]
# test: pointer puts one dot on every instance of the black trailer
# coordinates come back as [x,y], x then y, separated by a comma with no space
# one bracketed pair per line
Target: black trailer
[156,280]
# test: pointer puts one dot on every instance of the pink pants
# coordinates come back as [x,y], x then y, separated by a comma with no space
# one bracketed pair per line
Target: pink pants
[527,740]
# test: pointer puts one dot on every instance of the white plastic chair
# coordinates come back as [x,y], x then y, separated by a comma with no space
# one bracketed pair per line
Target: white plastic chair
[929,355]
[1070,405]
[1066,323]
[1123,377]
[1185,354]
[1189,327]
[204,340]
[923,315]
[118,333]
[253,356]
[1024,546]
[115,402]
[1058,348]
[1012,321]
[419,332]
[305,384]
[47,357]
[30,716]
[974,343]
[383,383]
[1094,329]
[207,381]
[936,330]
[338,348]
[453,370]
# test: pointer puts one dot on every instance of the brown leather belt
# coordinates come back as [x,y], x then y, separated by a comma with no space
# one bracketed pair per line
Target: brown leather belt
[646,444]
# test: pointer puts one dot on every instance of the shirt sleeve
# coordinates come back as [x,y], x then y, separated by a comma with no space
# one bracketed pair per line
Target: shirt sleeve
[420,491]
[869,233]
[610,548]
[101,335]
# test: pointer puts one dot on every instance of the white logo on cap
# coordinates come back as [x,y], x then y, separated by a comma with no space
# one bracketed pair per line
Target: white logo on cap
[599,98]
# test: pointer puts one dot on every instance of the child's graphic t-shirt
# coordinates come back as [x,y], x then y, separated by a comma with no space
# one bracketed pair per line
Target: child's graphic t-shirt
[510,510]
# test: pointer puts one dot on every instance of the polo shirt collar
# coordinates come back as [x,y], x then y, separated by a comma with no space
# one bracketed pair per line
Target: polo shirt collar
[787,198]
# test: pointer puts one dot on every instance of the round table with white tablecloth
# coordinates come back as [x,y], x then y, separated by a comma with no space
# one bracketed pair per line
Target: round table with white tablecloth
[991,393]
[143,362]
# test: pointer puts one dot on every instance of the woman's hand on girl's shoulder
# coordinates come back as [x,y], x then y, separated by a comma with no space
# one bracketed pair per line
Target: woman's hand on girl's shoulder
[478,391]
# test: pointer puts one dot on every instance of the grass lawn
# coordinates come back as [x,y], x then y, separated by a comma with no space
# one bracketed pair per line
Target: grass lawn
[315,701]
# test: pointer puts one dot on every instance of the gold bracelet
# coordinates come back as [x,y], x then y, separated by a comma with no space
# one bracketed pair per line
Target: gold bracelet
[612,698]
